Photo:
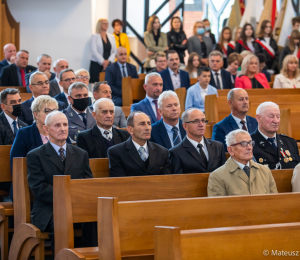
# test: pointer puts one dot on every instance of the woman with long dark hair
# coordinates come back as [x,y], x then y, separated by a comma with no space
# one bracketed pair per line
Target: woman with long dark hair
[177,40]
[224,45]
[292,48]
[193,65]
[247,39]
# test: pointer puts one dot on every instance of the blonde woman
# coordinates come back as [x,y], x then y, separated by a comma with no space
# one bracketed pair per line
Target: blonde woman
[104,50]
[193,65]
[155,41]
[250,77]
[289,76]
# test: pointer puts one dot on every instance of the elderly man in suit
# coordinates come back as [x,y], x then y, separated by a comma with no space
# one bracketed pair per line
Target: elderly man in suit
[10,51]
[53,158]
[44,65]
[138,156]
[240,175]
[238,101]
[277,151]
[103,135]
[118,70]
[168,131]
[39,85]
[103,90]
[173,78]
[55,87]
[153,87]
[79,115]
[14,74]
[196,154]
[220,78]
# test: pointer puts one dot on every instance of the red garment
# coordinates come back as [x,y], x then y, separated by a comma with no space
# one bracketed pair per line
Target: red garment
[245,83]
[156,108]
[23,77]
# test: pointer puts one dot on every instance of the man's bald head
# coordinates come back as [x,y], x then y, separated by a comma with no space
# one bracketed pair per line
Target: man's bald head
[9,51]
[50,118]
[238,100]
[121,55]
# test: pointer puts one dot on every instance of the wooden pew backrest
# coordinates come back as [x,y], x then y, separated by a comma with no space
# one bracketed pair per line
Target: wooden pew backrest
[21,89]
[5,173]
[132,89]
[25,96]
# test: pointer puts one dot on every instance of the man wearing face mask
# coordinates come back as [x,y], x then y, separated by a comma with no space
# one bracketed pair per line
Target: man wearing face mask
[9,122]
[79,116]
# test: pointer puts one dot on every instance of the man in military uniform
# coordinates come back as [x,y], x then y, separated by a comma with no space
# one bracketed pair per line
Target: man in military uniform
[277,151]
[79,116]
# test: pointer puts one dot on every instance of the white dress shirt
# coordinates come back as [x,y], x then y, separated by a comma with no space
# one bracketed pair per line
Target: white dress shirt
[110,135]
[60,87]
[152,104]
[10,121]
[203,92]
[80,116]
[204,148]
[56,148]
[170,132]
[250,45]
[121,69]
[137,146]
[220,78]
[241,165]
[175,79]
[267,40]
[67,97]
[238,121]
[268,137]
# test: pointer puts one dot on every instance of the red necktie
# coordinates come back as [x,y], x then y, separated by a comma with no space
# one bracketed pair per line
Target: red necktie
[156,108]
[23,77]
[244,125]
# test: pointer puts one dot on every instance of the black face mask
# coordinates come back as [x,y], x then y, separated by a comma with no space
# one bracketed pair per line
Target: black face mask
[80,104]
[17,110]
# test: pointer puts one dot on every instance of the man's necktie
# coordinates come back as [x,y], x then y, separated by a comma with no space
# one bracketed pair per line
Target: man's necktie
[62,156]
[23,77]
[272,141]
[244,125]
[123,71]
[83,117]
[218,81]
[176,138]
[200,146]
[14,123]
[158,116]
[247,170]
[142,153]
[107,135]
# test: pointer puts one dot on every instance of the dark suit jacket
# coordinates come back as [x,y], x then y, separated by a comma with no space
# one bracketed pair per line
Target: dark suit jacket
[42,164]
[92,141]
[267,74]
[124,160]
[284,52]
[159,134]
[27,76]
[228,124]
[185,158]
[9,75]
[54,88]
[27,116]
[62,98]
[145,106]
[3,64]
[7,136]
[114,77]
[226,80]
[167,81]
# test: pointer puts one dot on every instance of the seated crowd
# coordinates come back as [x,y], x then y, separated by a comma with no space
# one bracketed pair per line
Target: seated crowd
[154,139]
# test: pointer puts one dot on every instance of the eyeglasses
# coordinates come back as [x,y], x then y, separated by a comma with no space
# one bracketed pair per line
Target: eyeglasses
[69,79]
[48,110]
[40,83]
[83,77]
[197,121]
[245,143]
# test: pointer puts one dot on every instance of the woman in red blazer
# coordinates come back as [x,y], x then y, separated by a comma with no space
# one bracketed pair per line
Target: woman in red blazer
[250,77]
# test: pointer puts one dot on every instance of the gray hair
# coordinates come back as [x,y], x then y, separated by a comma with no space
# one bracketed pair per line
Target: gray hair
[166,94]
[101,100]
[36,73]
[57,61]
[130,118]
[42,101]
[262,107]
[77,72]
[20,52]
[186,113]
[151,75]
[215,53]
[63,71]
[230,94]
[77,85]
[231,137]
[41,56]
[50,116]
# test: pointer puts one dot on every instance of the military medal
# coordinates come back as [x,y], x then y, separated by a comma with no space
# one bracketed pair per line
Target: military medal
[285,158]
[289,154]
[261,160]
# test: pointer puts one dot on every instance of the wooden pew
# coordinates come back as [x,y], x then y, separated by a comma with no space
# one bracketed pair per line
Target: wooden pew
[181,93]
[246,242]
[25,96]
[132,89]
[21,89]
[193,81]
[102,76]
[126,110]
[142,76]
[264,92]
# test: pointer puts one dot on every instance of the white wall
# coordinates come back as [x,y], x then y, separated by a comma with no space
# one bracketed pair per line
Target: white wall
[60,28]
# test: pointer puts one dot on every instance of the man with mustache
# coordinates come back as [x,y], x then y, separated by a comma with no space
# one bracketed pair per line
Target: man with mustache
[196,154]
[240,175]
[168,131]
[138,156]
[238,101]
[277,151]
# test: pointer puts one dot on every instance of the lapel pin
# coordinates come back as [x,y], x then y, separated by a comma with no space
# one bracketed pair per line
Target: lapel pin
[260,160]
[71,114]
